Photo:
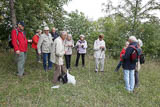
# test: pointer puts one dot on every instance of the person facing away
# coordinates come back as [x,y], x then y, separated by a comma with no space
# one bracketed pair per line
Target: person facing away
[121,59]
[35,40]
[138,66]
[81,46]
[129,65]
[57,53]
[99,53]
[44,47]
[69,44]
[20,44]
[54,33]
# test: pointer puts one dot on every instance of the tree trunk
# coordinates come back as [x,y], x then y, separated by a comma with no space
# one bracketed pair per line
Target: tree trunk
[135,17]
[13,14]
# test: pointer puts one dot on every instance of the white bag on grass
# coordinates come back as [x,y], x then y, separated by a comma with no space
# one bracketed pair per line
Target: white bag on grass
[54,87]
[71,78]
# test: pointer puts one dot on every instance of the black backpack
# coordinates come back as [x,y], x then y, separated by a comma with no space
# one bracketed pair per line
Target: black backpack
[10,40]
[63,78]
[142,59]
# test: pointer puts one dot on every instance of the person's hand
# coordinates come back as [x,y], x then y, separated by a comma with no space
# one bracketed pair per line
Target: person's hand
[17,52]
[39,53]
[102,47]
[30,41]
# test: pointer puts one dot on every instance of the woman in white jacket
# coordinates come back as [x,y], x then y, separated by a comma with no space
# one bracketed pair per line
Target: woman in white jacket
[99,53]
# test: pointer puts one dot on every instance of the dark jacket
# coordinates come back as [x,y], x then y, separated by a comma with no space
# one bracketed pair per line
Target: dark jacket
[127,63]
[54,35]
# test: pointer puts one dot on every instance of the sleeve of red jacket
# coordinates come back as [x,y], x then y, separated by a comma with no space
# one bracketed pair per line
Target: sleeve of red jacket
[14,40]
[35,39]
[122,52]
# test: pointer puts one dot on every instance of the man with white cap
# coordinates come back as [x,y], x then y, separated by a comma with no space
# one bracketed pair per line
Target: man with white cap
[129,65]
[69,44]
[57,53]
[44,47]
[81,46]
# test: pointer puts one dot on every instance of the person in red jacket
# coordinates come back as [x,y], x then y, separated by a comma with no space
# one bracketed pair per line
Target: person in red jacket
[121,59]
[35,40]
[20,44]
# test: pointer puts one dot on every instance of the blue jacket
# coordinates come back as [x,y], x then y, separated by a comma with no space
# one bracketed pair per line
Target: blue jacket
[54,35]
[127,63]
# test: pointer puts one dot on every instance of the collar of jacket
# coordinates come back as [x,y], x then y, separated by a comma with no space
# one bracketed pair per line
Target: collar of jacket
[133,43]
[99,40]
[80,41]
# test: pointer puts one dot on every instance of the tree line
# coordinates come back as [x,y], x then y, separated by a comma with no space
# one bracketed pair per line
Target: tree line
[130,17]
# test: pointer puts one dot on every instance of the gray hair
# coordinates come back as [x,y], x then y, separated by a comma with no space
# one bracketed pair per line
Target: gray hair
[69,35]
[63,33]
[133,38]
[140,42]
[37,31]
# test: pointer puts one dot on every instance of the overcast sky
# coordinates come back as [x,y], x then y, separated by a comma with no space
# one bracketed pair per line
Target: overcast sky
[91,8]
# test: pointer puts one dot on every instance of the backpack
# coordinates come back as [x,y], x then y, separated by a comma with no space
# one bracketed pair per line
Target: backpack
[63,78]
[10,40]
[142,59]
[135,54]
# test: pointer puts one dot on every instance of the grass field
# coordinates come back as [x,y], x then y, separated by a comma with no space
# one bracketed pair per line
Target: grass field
[92,89]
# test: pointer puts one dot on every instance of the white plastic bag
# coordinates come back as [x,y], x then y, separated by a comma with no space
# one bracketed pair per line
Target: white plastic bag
[71,78]
[54,87]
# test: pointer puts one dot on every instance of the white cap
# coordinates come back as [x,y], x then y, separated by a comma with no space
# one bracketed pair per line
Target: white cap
[133,38]
[82,36]
[46,28]
[140,42]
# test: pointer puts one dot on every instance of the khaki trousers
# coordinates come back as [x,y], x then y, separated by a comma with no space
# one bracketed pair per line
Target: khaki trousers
[59,70]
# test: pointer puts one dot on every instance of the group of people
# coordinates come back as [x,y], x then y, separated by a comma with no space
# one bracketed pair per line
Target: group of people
[130,58]
[52,47]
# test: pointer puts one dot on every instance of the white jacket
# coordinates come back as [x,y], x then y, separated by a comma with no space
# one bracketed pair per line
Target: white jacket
[68,49]
[80,49]
[44,44]
[57,51]
[99,53]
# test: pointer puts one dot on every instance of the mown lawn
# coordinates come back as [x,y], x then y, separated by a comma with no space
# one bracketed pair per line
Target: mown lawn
[92,89]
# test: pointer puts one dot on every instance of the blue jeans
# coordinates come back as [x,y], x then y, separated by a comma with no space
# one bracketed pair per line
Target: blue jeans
[129,79]
[46,57]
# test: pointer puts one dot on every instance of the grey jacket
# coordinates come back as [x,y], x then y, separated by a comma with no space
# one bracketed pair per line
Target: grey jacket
[44,43]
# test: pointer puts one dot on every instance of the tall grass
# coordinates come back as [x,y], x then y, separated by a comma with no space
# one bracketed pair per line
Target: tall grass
[92,89]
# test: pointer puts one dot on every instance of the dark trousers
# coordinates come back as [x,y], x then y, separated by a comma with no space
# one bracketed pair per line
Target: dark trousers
[68,61]
[83,59]
[46,57]
[136,78]
[118,66]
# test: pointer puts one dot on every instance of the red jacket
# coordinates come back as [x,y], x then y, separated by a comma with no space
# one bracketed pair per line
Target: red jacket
[122,53]
[19,41]
[35,41]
